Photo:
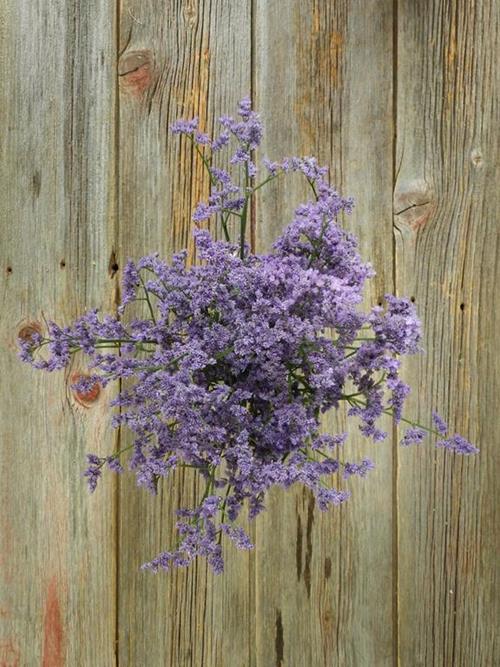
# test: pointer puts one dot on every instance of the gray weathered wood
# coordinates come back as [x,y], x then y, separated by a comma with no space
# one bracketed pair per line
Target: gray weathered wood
[446,222]
[176,61]
[57,571]
[394,96]
[323,81]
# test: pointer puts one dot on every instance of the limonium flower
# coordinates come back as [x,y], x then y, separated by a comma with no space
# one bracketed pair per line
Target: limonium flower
[238,357]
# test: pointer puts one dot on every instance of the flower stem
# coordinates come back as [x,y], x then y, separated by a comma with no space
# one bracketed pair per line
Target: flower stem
[390,412]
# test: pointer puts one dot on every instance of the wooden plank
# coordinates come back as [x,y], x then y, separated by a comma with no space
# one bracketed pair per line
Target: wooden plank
[57,572]
[446,221]
[324,85]
[177,60]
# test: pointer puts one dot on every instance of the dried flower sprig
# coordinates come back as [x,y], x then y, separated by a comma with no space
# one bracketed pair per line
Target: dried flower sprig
[240,356]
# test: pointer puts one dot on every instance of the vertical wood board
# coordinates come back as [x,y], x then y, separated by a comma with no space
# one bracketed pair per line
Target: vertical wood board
[446,226]
[323,82]
[57,545]
[176,61]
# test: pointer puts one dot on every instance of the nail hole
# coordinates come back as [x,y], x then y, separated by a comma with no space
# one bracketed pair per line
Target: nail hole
[462,306]
[412,299]
[112,265]
[379,302]
[62,263]
[8,270]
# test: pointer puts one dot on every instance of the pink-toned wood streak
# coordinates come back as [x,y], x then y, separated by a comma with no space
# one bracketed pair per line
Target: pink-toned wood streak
[53,629]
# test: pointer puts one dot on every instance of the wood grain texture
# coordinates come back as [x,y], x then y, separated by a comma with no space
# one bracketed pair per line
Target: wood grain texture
[400,98]
[323,81]
[177,60]
[447,231]
[57,550]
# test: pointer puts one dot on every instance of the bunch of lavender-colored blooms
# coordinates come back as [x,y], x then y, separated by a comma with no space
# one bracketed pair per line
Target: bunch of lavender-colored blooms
[241,355]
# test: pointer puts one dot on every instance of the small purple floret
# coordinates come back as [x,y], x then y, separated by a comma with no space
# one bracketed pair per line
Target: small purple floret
[439,423]
[458,444]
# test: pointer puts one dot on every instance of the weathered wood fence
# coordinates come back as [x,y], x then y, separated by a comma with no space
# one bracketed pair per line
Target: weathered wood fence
[398,97]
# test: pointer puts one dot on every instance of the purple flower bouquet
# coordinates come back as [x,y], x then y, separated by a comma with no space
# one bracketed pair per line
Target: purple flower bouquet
[240,355]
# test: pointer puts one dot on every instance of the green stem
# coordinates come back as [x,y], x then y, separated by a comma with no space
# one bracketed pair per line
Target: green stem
[317,244]
[146,294]
[117,454]
[224,226]
[311,183]
[390,412]
[267,180]
[244,213]
[204,160]
[223,508]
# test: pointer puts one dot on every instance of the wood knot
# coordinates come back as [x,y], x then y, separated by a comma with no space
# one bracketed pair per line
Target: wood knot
[88,395]
[328,617]
[190,14]
[476,158]
[136,72]
[29,331]
[414,203]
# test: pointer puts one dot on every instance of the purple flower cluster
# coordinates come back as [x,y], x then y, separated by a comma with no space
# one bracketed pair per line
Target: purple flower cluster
[239,356]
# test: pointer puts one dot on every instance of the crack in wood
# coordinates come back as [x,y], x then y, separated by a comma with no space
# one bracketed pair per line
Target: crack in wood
[310,522]
[424,203]
[278,643]
[298,548]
